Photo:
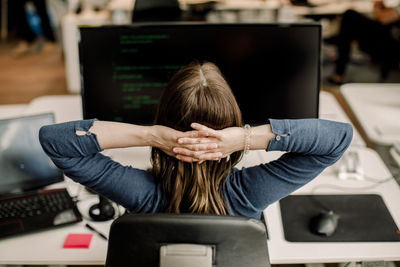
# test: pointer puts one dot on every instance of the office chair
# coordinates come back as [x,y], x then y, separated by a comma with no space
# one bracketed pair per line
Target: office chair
[176,240]
[156,10]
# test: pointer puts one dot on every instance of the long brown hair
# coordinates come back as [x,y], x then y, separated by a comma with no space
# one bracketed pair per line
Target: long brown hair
[196,93]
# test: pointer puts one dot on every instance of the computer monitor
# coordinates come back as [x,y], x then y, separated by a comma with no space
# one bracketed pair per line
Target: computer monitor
[273,69]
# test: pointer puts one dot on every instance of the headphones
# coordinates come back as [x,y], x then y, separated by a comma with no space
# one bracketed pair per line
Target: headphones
[102,211]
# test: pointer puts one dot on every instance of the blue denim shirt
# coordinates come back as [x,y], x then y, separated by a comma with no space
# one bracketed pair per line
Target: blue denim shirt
[311,146]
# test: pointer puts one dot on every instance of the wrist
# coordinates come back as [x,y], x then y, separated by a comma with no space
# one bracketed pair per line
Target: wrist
[247,138]
[260,137]
[239,144]
[152,136]
[156,137]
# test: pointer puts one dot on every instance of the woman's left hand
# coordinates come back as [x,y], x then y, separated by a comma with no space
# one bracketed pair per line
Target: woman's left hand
[166,139]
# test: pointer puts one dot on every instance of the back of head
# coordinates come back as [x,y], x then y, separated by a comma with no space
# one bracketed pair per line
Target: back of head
[196,93]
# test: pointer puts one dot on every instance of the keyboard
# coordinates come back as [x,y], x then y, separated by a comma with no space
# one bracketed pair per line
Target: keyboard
[37,211]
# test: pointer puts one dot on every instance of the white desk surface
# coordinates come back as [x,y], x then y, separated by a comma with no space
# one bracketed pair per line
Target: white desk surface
[46,247]
[330,109]
[64,107]
[377,107]
[321,7]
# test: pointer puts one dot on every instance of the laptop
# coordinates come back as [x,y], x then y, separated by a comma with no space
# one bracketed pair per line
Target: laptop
[25,171]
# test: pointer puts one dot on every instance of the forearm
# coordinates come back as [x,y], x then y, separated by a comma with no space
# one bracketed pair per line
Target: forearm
[85,137]
[120,135]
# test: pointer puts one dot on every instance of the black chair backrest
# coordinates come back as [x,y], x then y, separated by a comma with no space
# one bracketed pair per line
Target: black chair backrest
[135,239]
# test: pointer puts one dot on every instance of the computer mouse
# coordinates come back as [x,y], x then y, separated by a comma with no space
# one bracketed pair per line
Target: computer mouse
[324,223]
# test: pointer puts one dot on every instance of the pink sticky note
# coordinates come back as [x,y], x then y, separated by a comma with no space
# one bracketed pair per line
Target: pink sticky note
[78,241]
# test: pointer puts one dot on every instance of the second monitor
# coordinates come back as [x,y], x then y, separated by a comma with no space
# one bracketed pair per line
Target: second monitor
[273,69]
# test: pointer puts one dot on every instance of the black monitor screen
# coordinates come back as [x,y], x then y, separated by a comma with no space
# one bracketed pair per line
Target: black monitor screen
[23,163]
[273,69]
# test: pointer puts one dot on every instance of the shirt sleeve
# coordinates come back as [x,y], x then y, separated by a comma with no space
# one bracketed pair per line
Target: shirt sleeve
[311,146]
[79,157]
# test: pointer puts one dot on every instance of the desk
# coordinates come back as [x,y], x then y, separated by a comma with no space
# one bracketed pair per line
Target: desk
[283,11]
[245,11]
[377,107]
[65,108]
[26,249]
[9,111]
[329,109]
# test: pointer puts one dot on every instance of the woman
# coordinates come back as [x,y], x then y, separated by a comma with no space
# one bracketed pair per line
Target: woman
[196,141]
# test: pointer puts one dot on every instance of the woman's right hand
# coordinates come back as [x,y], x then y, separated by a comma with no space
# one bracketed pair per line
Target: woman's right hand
[193,148]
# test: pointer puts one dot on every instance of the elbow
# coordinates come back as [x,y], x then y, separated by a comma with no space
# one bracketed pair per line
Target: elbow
[346,136]
[45,136]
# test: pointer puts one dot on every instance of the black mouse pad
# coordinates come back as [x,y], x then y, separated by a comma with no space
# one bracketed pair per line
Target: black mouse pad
[363,218]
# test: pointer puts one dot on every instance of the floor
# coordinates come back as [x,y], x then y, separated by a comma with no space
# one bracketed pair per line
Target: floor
[24,77]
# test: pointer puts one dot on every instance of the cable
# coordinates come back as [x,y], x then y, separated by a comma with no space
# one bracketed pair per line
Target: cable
[76,197]
[376,182]
[379,181]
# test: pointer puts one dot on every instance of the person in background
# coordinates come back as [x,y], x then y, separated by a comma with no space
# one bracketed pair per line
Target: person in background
[197,139]
[30,41]
[379,37]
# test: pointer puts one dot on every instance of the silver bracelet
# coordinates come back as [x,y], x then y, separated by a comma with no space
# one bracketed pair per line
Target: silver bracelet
[247,136]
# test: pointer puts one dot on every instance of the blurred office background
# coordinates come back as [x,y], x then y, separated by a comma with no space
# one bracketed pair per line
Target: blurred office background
[42,60]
